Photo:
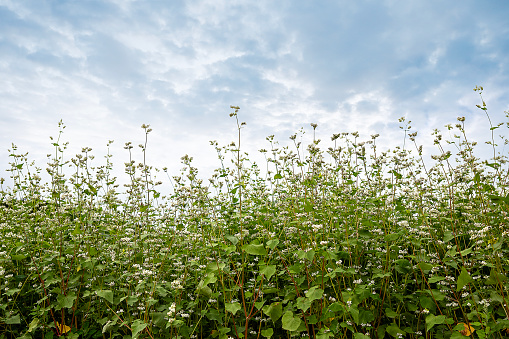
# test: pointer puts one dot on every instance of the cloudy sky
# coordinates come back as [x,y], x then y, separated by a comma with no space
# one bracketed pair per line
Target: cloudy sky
[106,67]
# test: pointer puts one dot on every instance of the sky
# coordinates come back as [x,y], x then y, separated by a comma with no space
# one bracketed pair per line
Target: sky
[106,67]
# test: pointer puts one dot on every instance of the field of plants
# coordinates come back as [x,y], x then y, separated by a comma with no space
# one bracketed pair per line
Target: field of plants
[348,242]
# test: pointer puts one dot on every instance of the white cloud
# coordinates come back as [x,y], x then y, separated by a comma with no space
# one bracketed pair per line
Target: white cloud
[106,67]
[289,79]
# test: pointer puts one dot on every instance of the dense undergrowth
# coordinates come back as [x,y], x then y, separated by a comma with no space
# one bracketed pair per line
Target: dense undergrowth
[367,244]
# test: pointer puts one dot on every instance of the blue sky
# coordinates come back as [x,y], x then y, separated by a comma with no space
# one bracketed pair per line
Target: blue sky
[106,67]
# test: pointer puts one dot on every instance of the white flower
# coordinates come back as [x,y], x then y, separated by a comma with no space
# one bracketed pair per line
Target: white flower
[176,284]
[403,223]
[171,312]
[316,227]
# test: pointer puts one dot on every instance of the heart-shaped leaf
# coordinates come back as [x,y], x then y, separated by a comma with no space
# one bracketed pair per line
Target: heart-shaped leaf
[255,249]
[105,294]
[232,307]
[432,320]
[290,323]
[268,271]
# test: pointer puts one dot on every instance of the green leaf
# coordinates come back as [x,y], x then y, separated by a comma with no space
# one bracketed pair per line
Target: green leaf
[425,267]
[459,327]
[290,323]
[211,278]
[452,263]
[354,312]
[432,320]
[272,243]
[496,297]
[392,237]
[254,249]
[314,293]
[498,200]
[329,255]
[364,233]
[131,300]
[390,313]
[33,324]
[18,257]
[67,301]
[203,289]
[224,330]
[394,330]
[458,335]
[498,244]
[361,336]
[232,307]
[435,279]
[214,314]
[215,266]
[466,251]
[278,176]
[303,303]
[403,266]
[477,178]
[312,319]
[109,325]
[437,294]
[268,332]
[310,255]
[495,278]
[232,239]
[228,249]
[268,271]
[92,188]
[13,320]
[77,230]
[366,316]
[426,302]
[106,294]
[336,307]
[259,304]
[270,290]
[448,236]
[463,279]
[137,326]
[380,275]
[274,311]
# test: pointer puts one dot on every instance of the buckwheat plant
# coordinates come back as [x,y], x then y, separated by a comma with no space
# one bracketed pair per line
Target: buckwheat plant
[348,242]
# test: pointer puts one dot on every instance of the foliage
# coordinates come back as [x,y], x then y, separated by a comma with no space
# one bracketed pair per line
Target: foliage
[367,245]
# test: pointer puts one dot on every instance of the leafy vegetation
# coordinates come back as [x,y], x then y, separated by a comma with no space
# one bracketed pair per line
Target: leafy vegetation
[367,245]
